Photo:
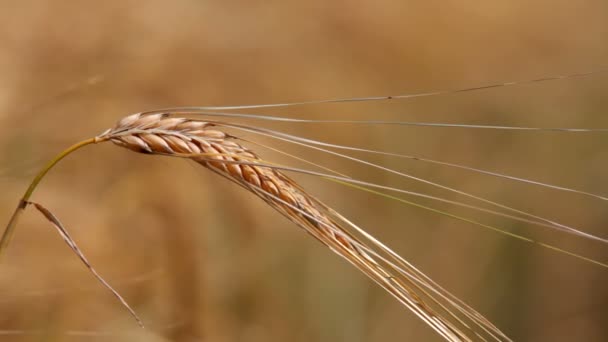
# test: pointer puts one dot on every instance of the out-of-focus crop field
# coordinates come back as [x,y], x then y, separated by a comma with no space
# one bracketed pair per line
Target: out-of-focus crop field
[203,260]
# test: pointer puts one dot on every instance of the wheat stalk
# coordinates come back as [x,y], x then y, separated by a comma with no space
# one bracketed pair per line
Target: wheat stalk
[203,142]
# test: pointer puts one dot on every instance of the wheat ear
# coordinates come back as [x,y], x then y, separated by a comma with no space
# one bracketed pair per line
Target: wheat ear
[220,152]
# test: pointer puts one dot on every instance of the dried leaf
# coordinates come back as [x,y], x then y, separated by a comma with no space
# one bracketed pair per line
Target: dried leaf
[66,237]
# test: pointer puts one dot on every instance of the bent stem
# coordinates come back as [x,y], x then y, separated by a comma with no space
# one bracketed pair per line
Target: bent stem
[10,227]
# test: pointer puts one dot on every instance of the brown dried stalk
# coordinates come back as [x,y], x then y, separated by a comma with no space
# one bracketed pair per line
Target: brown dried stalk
[70,242]
[203,142]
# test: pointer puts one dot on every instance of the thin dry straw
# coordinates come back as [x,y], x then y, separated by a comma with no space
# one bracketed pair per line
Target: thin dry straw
[368,187]
[346,179]
[396,155]
[307,143]
[70,242]
[202,111]
[409,96]
[454,165]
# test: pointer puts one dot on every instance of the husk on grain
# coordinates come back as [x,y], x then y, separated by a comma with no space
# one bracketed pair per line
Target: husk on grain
[205,143]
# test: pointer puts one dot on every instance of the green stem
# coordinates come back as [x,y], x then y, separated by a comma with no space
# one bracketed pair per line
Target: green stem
[10,227]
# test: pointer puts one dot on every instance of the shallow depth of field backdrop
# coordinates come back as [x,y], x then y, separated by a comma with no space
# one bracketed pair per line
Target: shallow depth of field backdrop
[201,259]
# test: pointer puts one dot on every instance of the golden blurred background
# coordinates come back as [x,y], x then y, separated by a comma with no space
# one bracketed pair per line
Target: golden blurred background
[202,260]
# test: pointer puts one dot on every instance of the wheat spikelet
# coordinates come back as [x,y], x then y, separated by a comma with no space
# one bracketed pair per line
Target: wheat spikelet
[220,152]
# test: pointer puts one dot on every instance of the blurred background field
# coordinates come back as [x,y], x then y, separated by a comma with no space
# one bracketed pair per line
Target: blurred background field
[202,260]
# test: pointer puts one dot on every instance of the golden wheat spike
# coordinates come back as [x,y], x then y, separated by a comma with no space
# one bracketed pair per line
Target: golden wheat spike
[218,151]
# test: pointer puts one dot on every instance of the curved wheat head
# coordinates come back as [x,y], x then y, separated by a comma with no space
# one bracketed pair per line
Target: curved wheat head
[220,152]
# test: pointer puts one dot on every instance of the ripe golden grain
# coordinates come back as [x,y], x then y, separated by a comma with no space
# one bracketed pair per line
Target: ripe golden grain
[220,152]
